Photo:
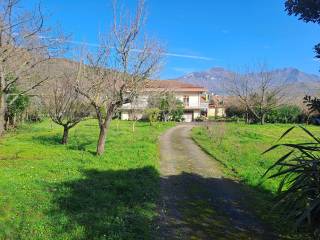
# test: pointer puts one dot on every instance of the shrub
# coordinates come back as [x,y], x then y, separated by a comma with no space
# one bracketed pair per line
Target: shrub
[201,119]
[284,114]
[234,112]
[176,114]
[152,114]
[17,104]
[299,189]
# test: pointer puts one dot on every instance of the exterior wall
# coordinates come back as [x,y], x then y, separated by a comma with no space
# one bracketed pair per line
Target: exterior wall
[188,116]
[194,99]
[211,112]
[191,112]
[196,113]
[219,112]
[141,103]
[124,115]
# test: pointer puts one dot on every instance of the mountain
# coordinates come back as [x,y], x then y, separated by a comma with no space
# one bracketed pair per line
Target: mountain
[215,79]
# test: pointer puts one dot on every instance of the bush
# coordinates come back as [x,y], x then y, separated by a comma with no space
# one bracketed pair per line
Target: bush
[152,114]
[176,114]
[201,119]
[234,112]
[285,114]
[17,104]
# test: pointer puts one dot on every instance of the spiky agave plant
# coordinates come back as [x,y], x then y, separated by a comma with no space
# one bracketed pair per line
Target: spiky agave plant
[299,189]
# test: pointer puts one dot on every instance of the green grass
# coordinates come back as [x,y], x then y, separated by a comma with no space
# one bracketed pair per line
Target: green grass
[239,148]
[50,191]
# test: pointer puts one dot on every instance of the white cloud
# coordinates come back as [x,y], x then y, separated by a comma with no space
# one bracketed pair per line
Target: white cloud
[169,54]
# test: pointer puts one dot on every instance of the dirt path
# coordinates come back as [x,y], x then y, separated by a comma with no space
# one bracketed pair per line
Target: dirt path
[196,201]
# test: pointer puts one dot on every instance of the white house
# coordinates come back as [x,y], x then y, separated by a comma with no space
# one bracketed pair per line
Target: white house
[193,97]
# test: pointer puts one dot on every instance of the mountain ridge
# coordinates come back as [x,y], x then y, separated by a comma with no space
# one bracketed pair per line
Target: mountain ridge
[214,79]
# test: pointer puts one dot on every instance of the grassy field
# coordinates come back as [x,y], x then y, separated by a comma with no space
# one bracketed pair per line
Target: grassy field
[239,148]
[50,191]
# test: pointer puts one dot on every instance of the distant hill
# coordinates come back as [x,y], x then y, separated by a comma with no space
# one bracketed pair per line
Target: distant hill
[214,79]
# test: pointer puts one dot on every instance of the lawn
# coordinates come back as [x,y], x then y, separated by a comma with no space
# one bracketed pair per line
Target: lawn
[50,191]
[239,148]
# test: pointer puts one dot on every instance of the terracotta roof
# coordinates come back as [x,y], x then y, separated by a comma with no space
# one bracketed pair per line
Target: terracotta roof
[174,85]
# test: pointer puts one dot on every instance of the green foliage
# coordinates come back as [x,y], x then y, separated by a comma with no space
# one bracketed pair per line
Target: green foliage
[176,114]
[51,191]
[152,114]
[16,106]
[235,112]
[306,10]
[20,103]
[299,188]
[284,114]
[171,108]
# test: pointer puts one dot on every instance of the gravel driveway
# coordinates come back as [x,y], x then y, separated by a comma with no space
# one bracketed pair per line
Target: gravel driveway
[197,202]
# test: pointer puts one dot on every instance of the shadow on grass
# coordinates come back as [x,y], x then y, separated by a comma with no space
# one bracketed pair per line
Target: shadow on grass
[108,204]
[48,139]
[74,143]
[122,205]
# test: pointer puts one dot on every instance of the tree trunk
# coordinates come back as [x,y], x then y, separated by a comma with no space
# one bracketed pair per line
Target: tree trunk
[103,133]
[246,115]
[65,136]
[101,140]
[263,117]
[2,112]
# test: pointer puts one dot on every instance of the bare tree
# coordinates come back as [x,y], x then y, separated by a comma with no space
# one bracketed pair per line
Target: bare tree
[258,91]
[135,112]
[66,107]
[119,69]
[24,48]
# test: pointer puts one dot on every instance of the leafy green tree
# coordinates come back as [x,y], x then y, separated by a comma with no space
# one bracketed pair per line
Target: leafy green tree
[176,114]
[284,114]
[16,108]
[234,111]
[171,108]
[307,11]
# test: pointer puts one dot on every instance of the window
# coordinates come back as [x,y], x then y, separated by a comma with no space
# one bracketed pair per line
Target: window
[186,101]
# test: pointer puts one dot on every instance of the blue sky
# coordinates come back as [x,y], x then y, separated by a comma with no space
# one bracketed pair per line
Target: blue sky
[207,33]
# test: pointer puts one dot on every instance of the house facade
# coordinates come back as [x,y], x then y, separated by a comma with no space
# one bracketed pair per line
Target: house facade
[216,106]
[194,99]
